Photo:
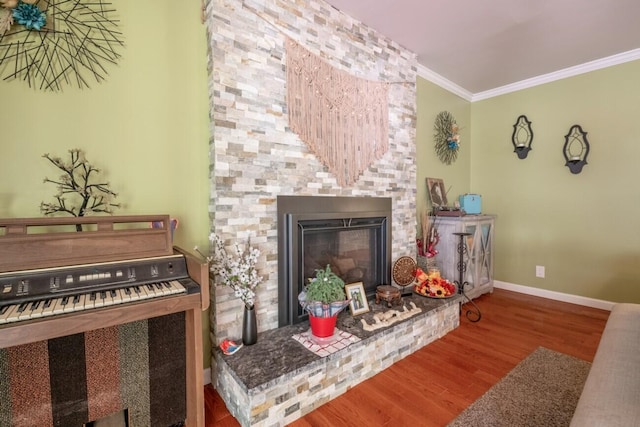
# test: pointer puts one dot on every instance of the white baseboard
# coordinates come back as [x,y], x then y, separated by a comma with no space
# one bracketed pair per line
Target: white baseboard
[558,296]
[207,376]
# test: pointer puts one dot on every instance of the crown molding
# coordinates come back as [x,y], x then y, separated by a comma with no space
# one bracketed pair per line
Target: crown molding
[597,64]
[436,78]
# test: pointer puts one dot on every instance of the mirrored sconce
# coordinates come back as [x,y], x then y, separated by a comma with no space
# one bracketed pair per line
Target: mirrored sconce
[576,149]
[522,137]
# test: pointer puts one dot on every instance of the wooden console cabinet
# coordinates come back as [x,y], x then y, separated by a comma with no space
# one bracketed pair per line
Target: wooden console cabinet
[479,251]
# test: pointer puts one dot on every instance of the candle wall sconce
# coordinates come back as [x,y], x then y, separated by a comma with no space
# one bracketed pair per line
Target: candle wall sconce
[522,137]
[576,149]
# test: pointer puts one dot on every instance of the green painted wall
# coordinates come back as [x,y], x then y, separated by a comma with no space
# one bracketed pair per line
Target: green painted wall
[433,99]
[146,126]
[581,227]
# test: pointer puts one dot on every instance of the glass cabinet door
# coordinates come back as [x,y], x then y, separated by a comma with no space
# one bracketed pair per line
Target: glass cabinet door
[484,262]
[471,255]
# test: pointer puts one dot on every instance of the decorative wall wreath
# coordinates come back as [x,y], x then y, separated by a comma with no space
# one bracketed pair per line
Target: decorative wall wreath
[52,43]
[404,271]
[446,137]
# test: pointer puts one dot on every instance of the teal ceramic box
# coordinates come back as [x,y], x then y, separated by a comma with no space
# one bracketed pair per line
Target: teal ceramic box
[471,203]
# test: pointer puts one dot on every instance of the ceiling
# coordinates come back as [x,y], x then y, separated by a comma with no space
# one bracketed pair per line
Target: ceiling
[479,46]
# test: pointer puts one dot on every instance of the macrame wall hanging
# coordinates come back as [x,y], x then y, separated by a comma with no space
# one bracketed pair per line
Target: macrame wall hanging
[343,119]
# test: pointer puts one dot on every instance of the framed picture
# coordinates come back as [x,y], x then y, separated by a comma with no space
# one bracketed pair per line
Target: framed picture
[437,193]
[358,303]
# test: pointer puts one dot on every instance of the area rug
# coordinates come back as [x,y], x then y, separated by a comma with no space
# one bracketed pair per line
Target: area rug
[542,390]
[326,346]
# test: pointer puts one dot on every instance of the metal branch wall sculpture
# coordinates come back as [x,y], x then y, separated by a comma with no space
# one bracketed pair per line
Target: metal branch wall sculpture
[50,44]
[79,194]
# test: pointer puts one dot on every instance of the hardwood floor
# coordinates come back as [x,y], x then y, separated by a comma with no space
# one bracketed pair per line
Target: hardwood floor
[434,384]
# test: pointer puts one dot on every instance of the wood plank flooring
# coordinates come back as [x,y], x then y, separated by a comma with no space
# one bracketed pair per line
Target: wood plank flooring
[433,385]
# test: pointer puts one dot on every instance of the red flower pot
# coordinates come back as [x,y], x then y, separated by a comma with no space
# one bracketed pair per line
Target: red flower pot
[322,327]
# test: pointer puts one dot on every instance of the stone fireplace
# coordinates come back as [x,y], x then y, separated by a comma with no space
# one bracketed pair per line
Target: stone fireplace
[352,235]
[254,155]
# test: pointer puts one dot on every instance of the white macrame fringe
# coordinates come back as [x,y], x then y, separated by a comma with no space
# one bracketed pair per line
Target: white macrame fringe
[343,119]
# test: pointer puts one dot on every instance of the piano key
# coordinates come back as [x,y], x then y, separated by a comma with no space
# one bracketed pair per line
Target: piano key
[153,290]
[177,287]
[67,303]
[90,301]
[80,305]
[5,312]
[23,311]
[99,301]
[47,307]
[75,304]
[36,309]
[142,292]
[117,299]
[108,299]
[126,294]
[32,309]
[136,293]
[150,290]
[12,314]
[160,288]
[58,308]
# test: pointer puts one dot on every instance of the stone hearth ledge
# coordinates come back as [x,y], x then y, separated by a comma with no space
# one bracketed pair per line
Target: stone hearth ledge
[277,380]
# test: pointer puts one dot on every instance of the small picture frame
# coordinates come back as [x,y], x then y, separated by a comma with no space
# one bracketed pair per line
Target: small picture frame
[358,303]
[437,192]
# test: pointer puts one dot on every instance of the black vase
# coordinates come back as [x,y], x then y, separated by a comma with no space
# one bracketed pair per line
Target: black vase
[249,326]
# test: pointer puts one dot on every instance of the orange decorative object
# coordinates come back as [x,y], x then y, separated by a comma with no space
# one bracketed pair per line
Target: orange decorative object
[433,272]
[435,287]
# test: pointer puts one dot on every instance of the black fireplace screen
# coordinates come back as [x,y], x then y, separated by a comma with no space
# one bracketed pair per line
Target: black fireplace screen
[318,231]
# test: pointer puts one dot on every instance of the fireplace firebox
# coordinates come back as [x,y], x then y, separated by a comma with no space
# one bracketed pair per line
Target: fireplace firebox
[350,234]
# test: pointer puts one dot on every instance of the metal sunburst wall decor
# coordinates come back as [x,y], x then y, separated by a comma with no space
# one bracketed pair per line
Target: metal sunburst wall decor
[446,137]
[56,43]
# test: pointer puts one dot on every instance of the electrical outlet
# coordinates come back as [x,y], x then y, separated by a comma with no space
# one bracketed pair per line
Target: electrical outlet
[540,271]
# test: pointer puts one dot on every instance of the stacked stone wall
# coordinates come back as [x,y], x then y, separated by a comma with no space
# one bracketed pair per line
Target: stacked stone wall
[255,156]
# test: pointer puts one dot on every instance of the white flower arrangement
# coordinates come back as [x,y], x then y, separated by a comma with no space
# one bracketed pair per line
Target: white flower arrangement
[236,271]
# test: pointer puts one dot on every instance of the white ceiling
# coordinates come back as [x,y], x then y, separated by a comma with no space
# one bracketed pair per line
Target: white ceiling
[478,46]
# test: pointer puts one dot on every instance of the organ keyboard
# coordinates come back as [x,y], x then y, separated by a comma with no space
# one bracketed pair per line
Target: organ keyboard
[117,270]
[34,294]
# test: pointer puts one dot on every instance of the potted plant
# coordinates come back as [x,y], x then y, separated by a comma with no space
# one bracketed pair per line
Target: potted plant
[323,298]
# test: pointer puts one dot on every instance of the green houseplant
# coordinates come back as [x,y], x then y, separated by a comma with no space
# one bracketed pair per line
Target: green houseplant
[323,298]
